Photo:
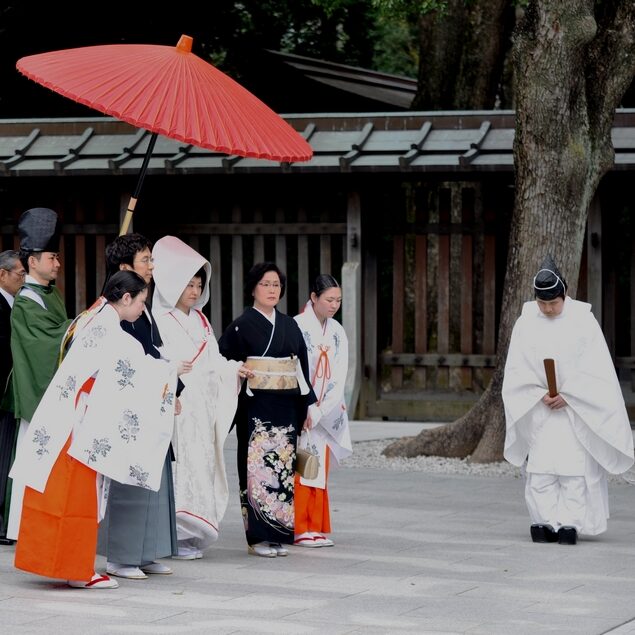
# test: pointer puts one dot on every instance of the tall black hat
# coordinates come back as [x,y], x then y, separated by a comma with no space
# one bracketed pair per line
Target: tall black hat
[549,282]
[39,230]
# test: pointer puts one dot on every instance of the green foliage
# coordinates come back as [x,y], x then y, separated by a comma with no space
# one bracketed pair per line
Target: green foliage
[396,47]
[410,8]
[418,7]
[390,31]
[331,7]
[393,8]
[338,31]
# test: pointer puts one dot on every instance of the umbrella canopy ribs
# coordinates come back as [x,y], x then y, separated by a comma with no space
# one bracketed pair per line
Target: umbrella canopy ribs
[171,92]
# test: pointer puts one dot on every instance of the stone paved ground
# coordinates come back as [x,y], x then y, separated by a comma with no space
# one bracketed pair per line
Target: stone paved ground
[415,553]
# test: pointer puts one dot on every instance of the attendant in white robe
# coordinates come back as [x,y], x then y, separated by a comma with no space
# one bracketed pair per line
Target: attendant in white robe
[209,399]
[572,440]
[326,431]
[107,415]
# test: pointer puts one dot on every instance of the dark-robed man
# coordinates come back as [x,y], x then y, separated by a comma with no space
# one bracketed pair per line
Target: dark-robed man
[12,275]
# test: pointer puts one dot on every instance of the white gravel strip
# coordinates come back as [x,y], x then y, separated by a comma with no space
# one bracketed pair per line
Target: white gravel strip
[367,454]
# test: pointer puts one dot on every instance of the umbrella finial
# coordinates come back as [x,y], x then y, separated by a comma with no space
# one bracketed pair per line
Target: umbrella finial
[185,44]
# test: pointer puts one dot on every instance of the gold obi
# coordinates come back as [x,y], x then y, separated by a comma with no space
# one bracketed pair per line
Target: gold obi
[273,373]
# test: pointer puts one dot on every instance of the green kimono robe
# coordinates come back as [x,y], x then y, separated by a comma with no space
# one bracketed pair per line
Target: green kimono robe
[36,335]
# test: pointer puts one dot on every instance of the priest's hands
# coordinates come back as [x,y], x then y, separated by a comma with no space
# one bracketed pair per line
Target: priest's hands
[555,403]
[177,407]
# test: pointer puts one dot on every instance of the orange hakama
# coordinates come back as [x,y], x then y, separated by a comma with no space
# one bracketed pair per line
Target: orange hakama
[58,528]
[312,506]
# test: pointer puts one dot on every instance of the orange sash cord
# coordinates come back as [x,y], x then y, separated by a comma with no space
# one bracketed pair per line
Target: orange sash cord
[322,370]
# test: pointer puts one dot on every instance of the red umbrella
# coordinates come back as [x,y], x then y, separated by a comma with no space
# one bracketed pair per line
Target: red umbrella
[169,91]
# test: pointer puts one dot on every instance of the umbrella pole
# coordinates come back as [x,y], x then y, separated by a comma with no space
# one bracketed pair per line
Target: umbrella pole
[133,199]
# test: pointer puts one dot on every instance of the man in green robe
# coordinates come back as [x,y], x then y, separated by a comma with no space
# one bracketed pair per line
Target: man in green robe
[38,324]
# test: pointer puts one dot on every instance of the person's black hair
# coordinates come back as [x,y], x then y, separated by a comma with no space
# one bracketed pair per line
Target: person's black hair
[202,274]
[323,282]
[257,272]
[26,254]
[122,251]
[121,283]
[546,296]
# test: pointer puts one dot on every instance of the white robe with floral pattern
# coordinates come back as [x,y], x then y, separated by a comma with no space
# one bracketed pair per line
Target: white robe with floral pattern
[122,429]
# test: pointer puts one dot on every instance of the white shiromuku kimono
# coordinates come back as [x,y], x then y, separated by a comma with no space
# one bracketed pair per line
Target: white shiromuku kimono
[570,450]
[123,429]
[327,349]
[208,400]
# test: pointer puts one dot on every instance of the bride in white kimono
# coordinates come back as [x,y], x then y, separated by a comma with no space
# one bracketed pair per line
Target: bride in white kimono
[181,277]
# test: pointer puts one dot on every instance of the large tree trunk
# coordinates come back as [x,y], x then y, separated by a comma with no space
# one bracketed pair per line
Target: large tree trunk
[461,55]
[572,67]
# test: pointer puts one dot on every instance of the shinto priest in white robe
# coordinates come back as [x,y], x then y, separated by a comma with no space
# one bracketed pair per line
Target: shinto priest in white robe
[121,429]
[586,439]
[208,401]
[327,349]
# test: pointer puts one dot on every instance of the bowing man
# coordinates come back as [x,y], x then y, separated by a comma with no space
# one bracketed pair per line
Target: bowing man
[573,439]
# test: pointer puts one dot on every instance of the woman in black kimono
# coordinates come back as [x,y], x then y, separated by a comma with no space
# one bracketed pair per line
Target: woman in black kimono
[268,419]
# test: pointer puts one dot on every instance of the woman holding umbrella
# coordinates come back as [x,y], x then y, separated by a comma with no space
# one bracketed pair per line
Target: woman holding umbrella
[271,410]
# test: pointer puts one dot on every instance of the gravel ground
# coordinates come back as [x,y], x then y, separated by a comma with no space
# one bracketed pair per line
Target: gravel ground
[367,454]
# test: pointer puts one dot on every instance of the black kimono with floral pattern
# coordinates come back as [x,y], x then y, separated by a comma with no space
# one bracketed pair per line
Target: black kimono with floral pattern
[267,425]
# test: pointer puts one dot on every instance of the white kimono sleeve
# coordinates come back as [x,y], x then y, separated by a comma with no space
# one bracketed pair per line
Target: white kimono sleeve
[522,391]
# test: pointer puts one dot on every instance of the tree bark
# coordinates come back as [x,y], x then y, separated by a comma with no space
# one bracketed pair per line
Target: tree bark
[573,63]
[461,55]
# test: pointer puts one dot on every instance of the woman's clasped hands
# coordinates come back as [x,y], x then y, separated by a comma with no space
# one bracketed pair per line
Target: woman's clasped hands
[245,372]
